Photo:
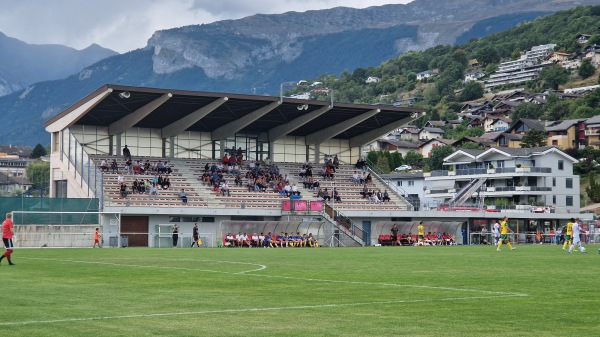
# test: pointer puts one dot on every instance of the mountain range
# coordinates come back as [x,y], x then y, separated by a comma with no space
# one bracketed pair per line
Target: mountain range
[22,64]
[256,54]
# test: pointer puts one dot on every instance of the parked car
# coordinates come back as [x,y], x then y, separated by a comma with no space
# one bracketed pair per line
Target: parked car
[403,168]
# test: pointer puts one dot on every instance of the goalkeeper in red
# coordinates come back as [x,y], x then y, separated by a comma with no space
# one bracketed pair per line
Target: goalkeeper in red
[504,234]
[7,238]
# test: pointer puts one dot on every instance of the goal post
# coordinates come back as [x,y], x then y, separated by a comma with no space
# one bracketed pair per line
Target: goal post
[35,229]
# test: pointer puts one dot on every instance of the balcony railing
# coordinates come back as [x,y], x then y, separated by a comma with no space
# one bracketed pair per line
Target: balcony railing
[476,171]
[497,189]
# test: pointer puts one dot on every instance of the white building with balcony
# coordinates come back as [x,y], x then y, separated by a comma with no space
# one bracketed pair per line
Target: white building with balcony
[521,178]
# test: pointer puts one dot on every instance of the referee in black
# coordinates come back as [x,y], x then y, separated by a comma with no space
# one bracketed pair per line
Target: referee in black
[195,235]
[175,235]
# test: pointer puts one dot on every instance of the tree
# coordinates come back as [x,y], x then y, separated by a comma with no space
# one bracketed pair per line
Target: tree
[534,138]
[383,164]
[38,172]
[487,55]
[472,90]
[527,110]
[372,157]
[593,191]
[436,159]
[586,69]
[554,76]
[38,151]
[396,159]
[413,158]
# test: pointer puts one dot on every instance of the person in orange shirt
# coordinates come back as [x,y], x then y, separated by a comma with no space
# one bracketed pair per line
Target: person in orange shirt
[7,237]
[97,238]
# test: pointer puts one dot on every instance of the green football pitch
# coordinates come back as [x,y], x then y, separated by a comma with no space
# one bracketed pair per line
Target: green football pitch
[536,290]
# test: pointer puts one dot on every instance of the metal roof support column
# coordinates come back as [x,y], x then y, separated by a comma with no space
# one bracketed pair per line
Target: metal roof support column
[117,144]
[230,129]
[334,130]
[373,135]
[172,147]
[132,119]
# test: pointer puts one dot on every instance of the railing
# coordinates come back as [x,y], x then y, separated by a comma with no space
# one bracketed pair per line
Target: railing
[87,170]
[392,184]
[476,171]
[498,189]
[341,220]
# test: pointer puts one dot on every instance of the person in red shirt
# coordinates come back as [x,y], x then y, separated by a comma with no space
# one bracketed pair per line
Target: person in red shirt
[7,238]
[97,238]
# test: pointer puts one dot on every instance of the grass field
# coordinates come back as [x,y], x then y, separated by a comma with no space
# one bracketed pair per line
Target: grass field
[374,291]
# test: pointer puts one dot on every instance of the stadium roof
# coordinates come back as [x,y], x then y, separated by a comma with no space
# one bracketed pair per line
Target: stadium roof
[223,115]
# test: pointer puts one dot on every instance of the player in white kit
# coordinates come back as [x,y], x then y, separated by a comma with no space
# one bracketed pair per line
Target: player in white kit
[576,237]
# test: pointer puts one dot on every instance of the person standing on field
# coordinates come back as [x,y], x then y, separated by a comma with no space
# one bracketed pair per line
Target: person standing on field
[421,233]
[504,234]
[568,233]
[7,237]
[175,235]
[195,235]
[496,231]
[97,238]
[576,237]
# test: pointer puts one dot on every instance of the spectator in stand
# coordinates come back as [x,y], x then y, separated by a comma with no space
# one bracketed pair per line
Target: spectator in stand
[126,153]
[225,159]
[336,195]
[120,179]
[128,166]
[238,180]
[166,183]
[329,172]
[153,190]
[315,185]
[336,162]
[104,165]
[386,196]
[368,179]
[355,178]
[365,192]
[326,196]
[295,190]
[123,190]
[225,189]
[287,189]
[114,166]
[183,196]
[134,186]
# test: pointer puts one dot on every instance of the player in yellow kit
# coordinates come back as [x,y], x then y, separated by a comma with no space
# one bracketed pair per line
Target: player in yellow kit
[421,230]
[568,233]
[504,234]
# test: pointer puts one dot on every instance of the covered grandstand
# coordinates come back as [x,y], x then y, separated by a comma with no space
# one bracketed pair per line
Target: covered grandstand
[190,130]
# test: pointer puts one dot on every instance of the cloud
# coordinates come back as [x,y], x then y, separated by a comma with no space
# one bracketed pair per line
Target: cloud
[127,25]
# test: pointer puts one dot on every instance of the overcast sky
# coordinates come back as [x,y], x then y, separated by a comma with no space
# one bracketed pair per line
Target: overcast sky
[124,25]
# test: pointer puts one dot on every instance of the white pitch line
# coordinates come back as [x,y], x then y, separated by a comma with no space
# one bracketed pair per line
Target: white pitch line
[224,311]
[284,277]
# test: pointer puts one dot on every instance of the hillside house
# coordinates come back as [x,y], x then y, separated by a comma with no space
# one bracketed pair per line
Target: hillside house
[411,134]
[474,76]
[430,133]
[495,123]
[567,134]
[426,147]
[583,38]
[372,79]
[426,74]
